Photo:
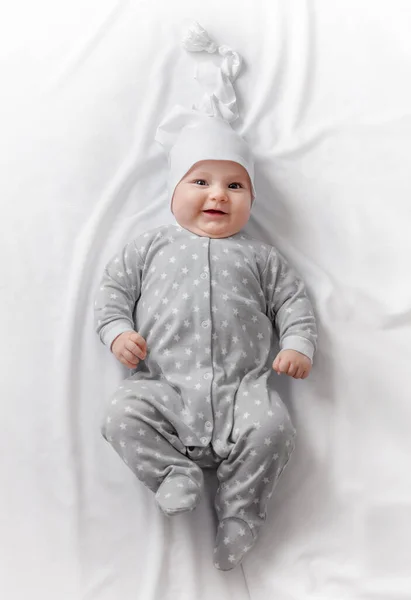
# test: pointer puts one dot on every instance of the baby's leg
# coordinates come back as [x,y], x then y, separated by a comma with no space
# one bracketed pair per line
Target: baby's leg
[264,440]
[136,427]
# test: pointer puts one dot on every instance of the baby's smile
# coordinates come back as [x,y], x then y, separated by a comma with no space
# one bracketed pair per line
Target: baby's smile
[213,212]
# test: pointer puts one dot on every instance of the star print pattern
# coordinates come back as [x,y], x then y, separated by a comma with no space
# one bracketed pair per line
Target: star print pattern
[209,310]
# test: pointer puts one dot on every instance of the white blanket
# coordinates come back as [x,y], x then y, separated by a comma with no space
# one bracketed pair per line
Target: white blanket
[325,101]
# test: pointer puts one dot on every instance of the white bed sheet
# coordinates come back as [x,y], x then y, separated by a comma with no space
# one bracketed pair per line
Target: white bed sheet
[325,101]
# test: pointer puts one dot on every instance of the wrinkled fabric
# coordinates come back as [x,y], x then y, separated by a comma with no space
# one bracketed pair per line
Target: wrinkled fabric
[82,98]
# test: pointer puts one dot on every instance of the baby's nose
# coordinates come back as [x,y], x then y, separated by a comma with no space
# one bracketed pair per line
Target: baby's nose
[219,194]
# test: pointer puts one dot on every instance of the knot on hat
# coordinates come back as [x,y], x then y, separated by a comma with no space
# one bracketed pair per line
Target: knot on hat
[197,39]
[219,99]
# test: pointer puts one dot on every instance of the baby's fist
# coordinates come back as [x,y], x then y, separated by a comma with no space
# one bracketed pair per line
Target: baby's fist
[292,363]
[129,347]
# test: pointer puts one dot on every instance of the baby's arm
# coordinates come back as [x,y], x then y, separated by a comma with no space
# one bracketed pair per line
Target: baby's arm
[291,312]
[118,294]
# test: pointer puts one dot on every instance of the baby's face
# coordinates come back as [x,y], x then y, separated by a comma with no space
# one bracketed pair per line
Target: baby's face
[213,199]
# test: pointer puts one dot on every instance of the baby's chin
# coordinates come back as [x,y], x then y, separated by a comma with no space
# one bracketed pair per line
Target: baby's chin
[212,229]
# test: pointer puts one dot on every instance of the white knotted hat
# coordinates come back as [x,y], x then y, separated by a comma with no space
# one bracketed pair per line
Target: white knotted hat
[204,131]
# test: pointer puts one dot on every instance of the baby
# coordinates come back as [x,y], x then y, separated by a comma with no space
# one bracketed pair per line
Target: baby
[192,309]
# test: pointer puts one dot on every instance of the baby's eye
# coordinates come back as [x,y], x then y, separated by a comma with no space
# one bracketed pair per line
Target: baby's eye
[200,180]
[237,184]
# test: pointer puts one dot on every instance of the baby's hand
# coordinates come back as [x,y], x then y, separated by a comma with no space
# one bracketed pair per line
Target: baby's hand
[292,363]
[129,347]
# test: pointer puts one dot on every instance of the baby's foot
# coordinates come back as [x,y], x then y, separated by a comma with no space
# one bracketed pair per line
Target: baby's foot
[178,493]
[234,540]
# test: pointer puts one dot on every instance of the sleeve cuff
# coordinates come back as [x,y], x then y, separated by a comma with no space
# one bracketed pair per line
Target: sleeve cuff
[110,331]
[300,344]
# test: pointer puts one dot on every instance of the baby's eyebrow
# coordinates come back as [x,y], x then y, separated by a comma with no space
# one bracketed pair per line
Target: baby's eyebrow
[230,177]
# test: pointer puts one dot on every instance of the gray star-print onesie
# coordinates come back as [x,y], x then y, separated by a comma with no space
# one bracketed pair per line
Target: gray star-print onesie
[208,309]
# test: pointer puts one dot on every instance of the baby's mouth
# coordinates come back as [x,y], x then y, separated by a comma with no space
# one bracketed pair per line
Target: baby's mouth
[211,211]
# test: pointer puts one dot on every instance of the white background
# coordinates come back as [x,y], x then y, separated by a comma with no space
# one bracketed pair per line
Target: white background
[325,101]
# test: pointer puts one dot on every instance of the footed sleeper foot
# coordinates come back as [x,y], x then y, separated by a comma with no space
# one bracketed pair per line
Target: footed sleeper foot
[178,494]
[234,540]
